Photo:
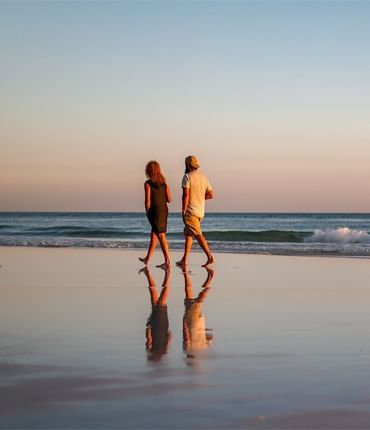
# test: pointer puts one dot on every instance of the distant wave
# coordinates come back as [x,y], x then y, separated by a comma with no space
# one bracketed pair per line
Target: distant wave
[4,226]
[117,233]
[75,231]
[270,236]
[343,235]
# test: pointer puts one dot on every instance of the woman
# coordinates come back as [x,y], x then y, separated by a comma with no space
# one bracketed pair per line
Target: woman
[157,195]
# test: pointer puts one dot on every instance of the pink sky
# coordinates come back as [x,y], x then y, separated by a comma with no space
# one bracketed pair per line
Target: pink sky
[278,116]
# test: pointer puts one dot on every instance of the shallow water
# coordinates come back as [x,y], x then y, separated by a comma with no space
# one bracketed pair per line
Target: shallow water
[289,336]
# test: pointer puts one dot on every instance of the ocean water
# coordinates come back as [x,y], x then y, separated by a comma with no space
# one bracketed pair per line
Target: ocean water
[261,233]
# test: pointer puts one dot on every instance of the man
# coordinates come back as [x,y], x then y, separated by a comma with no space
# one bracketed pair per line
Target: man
[195,191]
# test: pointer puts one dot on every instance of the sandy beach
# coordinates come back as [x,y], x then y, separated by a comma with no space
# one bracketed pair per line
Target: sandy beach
[282,342]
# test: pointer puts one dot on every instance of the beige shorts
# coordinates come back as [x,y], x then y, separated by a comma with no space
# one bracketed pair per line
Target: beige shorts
[192,225]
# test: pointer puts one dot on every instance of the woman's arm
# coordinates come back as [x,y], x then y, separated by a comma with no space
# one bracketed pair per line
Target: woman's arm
[147,196]
[168,194]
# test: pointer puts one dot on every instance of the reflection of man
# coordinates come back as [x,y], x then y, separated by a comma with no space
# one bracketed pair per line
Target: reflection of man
[195,335]
[196,189]
[157,333]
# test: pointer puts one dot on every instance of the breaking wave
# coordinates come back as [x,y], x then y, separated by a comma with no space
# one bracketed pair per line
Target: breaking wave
[339,235]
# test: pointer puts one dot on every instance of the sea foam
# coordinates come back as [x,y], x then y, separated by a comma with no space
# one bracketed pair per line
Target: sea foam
[339,235]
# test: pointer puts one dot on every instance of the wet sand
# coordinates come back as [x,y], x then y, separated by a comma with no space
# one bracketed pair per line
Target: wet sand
[270,343]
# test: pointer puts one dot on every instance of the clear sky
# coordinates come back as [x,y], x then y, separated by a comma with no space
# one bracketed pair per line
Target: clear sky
[273,97]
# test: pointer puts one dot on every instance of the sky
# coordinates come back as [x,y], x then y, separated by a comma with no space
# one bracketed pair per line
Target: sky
[273,97]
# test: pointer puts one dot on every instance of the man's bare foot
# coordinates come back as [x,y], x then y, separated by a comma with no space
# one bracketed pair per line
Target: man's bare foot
[210,260]
[182,263]
[165,265]
[210,276]
[210,271]
[143,260]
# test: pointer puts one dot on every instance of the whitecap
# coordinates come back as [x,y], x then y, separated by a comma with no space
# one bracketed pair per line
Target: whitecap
[339,235]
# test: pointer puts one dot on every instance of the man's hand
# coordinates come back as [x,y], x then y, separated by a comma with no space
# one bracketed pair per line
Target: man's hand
[209,195]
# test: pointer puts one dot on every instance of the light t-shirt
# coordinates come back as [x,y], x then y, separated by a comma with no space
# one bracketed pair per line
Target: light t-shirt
[198,185]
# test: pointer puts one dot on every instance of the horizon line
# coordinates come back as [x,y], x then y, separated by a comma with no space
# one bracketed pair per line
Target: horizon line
[179,212]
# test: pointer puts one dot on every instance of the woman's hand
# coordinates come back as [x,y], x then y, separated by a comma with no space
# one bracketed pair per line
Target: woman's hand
[168,194]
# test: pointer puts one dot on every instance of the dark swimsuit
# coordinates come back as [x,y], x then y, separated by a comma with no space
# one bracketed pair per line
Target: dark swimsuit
[158,211]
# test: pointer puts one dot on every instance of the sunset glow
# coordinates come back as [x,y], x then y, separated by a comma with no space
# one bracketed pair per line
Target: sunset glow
[273,97]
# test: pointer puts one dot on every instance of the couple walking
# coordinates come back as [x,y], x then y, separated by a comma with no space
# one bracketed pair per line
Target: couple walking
[196,189]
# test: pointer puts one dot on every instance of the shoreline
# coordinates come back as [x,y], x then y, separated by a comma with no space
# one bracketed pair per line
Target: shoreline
[195,250]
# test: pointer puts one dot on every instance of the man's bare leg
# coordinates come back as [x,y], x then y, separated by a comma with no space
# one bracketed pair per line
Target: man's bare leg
[206,285]
[204,245]
[152,245]
[188,285]
[188,244]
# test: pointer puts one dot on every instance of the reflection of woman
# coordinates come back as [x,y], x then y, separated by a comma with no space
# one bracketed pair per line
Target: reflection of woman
[195,335]
[157,195]
[157,333]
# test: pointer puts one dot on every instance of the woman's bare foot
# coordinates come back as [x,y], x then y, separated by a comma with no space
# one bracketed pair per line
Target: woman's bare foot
[166,265]
[209,261]
[143,260]
[144,270]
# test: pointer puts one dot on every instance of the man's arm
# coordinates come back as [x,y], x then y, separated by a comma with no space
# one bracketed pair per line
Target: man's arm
[185,199]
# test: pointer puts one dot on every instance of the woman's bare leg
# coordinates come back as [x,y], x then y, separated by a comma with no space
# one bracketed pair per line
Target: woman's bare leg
[152,245]
[165,287]
[166,253]
[151,285]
